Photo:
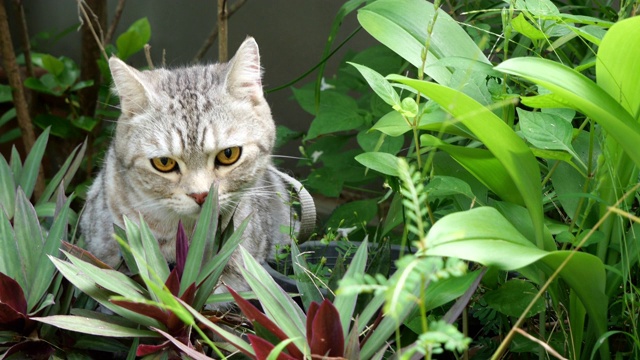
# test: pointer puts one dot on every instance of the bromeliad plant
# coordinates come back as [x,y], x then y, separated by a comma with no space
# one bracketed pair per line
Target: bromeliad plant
[29,284]
[151,302]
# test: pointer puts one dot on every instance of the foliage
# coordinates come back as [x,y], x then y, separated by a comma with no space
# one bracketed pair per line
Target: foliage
[527,169]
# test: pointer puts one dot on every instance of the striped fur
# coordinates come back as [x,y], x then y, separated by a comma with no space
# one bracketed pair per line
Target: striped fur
[190,114]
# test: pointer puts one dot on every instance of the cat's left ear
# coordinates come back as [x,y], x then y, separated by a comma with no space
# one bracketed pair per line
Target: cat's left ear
[245,74]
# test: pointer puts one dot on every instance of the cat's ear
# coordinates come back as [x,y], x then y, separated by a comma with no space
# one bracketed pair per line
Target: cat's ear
[130,86]
[245,75]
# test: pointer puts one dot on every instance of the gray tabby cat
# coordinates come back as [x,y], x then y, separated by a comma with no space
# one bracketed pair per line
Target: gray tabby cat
[180,131]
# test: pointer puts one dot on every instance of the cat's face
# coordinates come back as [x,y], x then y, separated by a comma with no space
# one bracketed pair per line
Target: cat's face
[185,129]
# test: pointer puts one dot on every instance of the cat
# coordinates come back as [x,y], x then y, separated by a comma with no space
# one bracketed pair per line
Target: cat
[180,131]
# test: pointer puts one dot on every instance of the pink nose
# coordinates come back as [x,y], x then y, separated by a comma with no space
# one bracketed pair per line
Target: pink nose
[200,197]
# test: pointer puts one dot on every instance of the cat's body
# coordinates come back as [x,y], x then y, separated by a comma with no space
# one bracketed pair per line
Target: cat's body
[179,132]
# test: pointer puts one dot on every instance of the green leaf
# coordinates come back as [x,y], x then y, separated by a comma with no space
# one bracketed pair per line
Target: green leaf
[499,138]
[379,161]
[7,116]
[617,65]
[59,126]
[64,174]
[45,269]
[31,166]
[134,39]
[52,65]
[441,186]
[521,25]
[28,238]
[85,123]
[93,326]
[483,235]
[10,262]
[355,213]
[401,25]
[547,131]
[580,93]
[304,281]
[7,188]
[152,254]
[202,239]
[380,85]
[513,297]
[277,305]
[5,94]
[374,141]
[345,302]
[337,112]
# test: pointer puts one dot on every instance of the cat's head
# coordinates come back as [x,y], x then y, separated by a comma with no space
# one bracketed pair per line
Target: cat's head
[183,129]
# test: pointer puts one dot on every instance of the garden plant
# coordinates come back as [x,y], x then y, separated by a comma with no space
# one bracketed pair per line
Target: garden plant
[495,142]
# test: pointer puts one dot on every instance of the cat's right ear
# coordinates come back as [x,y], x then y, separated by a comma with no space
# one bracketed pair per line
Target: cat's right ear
[130,87]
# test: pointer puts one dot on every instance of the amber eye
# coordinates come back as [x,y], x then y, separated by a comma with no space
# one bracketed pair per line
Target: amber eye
[228,156]
[164,164]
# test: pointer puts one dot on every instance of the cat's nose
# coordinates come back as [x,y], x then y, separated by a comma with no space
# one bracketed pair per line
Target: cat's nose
[199,197]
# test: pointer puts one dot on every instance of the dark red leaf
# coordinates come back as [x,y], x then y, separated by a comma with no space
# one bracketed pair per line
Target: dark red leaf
[144,309]
[327,338]
[144,350]
[11,319]
[12,295]
[263,348]
[311,314]
[189,294]
[173,282]
[255,315]
[182,248]
[30,349]
[174,324]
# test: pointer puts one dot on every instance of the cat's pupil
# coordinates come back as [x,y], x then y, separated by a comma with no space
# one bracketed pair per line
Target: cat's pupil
[228,153]
[164,161]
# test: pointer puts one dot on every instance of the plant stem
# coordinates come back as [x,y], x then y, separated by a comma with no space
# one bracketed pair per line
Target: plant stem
[213,35]
[223,28]
[114,23]
[18,93]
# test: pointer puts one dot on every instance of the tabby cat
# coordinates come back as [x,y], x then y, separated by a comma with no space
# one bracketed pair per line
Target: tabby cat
[180,131]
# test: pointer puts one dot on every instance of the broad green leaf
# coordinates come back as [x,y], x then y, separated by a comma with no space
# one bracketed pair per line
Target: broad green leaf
[28,238]
[31,166]
[345,303]
[380,85]
[617,65]
[393,124]
[499,138]
[402,26]
[548,132]
[52,65]
[379,161]
[355,213]
[521,25]
[483,165]
[483,235]
[537,7]
[582,94]
[441,186]
[9,115]
[134,39]
[375,141]
[337,112]
[7,188]
[513,297]
[93,326]
[5,93]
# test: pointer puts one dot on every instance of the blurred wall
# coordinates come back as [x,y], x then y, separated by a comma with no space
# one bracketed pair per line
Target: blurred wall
[291,35]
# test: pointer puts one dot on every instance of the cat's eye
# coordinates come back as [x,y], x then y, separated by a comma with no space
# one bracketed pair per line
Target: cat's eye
[164,164]
[228,156]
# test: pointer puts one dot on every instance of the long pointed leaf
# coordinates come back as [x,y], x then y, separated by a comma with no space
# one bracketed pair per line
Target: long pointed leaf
[93,326]
[28,238]
[7,188]
[582,94]
[346,302]
[31,166]
[499,138]
[10,263]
